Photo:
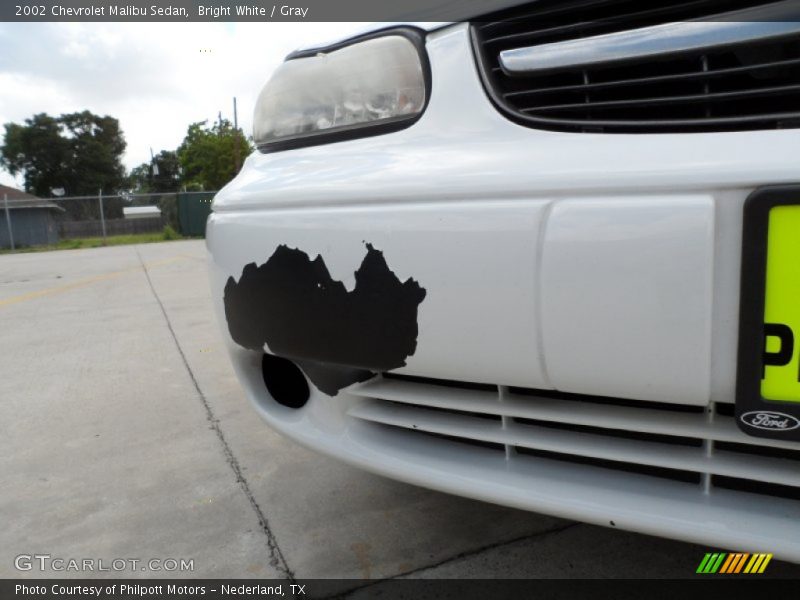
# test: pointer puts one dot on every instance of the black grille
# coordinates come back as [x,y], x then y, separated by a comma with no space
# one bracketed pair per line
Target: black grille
[753,85]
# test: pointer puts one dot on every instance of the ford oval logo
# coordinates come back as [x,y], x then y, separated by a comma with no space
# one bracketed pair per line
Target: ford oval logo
[770,420]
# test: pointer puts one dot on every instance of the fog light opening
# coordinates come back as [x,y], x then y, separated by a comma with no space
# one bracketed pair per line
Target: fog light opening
[285,381]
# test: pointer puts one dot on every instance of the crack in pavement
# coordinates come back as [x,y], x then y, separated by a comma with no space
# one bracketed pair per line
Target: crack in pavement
[456,557]
[277,560]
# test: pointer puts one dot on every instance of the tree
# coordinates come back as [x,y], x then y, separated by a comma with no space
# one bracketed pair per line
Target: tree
[79,152]
[38,150]
[162,175]
[139,179]
[211,157]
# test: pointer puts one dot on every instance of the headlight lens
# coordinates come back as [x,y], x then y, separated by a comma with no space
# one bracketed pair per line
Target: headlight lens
[377,81]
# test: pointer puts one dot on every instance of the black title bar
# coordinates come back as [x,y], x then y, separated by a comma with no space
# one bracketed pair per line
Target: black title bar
[248,10]
[184,11]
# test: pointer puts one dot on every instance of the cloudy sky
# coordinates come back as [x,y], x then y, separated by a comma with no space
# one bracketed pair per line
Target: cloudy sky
[156,78]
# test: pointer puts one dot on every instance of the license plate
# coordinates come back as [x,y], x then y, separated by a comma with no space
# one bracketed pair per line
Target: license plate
[768,379]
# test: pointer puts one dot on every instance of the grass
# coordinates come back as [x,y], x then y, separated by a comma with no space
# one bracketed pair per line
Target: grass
[167,234]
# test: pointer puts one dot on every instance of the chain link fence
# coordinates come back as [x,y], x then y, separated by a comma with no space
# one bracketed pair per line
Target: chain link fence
[27,221]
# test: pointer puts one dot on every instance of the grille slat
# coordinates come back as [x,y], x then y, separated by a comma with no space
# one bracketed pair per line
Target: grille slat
[541,36]
[654,454]
[550,11]
[686,443]
[700,76]
[666,100]
[746,85]
[542,408]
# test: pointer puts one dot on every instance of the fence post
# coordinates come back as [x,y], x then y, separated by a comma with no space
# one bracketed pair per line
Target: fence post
[102,215]
[8,222]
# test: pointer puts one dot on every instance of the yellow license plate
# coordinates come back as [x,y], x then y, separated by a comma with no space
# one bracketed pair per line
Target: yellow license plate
[781,370]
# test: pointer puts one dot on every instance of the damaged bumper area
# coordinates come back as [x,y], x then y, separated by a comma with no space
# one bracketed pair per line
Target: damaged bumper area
[291,305]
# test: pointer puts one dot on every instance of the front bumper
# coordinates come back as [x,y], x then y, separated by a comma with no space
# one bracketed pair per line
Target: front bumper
[602,265]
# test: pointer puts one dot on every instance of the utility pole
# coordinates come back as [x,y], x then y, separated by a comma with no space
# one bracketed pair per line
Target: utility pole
[102,216]
[236,150]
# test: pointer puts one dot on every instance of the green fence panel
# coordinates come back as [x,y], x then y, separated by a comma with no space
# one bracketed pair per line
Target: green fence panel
[193,211]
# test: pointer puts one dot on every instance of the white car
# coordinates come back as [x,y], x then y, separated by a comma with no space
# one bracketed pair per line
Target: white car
[551,267]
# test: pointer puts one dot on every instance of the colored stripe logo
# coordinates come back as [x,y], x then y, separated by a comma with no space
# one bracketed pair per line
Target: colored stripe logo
[733,563]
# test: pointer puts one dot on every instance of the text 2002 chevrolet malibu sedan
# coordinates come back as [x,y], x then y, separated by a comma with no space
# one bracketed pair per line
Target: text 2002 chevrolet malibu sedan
[552,267]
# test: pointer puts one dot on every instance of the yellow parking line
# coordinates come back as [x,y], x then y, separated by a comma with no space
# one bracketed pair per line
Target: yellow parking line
[82,282]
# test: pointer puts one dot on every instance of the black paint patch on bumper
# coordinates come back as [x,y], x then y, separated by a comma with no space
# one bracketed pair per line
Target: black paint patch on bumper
[292,304]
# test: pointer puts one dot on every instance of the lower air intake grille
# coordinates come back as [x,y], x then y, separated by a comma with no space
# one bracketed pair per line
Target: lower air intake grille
[752,83]
[694,445]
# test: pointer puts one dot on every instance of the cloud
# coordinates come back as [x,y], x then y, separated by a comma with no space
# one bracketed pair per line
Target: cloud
[156,78]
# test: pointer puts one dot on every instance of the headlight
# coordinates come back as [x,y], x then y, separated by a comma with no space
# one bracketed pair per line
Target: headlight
[367,87]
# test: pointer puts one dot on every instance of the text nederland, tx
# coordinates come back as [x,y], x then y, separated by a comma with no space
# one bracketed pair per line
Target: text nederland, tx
[125,589]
